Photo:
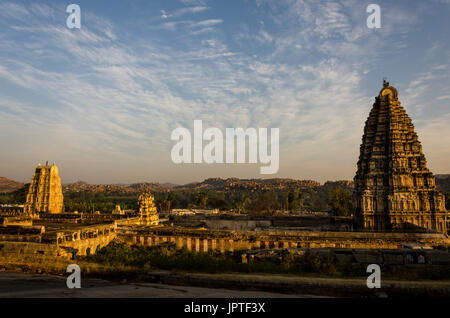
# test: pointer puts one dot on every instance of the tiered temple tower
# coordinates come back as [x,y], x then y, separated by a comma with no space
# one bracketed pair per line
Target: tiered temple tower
[148,214]
[45,192]
[392,184]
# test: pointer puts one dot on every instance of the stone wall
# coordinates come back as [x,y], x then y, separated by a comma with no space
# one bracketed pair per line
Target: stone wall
[86,218]
[31,251]
[382,257]
[16,220]
[246,222]
[128,221]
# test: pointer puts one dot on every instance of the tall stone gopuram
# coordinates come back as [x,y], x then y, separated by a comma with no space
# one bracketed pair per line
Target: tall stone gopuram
[392,184]
[45,192]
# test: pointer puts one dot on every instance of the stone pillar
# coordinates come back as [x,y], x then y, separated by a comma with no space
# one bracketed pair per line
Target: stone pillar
[231,248]
[222,245]
[179,242]
[197,244]
[189,243]
[244,258]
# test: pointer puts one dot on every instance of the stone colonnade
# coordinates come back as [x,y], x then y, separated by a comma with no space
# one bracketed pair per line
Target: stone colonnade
[87,239]
[199,244]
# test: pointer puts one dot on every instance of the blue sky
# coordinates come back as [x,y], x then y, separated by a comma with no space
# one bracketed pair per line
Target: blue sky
[102,101]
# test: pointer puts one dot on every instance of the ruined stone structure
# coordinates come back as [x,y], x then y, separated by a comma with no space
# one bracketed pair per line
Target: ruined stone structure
[54,240]
[202,240]
[45,192]
[147,209]
[393,186]
[11,209]
[42,233]
[118,210]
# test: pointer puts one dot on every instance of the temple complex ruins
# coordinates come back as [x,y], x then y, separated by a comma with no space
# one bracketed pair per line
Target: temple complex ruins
[45,192]
[393,186]
[397,208]
[43,229]
[39,236]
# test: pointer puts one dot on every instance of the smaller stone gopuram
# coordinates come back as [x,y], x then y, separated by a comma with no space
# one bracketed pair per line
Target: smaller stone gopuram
[45,192]
[148,214]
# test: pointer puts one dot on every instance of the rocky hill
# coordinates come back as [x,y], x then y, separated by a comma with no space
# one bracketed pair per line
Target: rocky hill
[340,183]
[149,187]
[8,185]
[234,184]
[216,184]
[81,186]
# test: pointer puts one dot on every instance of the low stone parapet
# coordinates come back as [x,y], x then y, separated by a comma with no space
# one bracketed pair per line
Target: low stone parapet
[31,251]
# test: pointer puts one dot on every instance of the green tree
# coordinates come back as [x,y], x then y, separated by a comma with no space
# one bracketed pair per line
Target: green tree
[242,202]
[20,195]
[170,200]
[295,200]
[300,200]
[218,203]
[200,199]
[340,201]
[284,196]
[266,203]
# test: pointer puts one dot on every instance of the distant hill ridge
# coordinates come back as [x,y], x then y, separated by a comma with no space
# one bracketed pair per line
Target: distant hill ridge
[443,182]
[8,185]
[257,184]
[218,184]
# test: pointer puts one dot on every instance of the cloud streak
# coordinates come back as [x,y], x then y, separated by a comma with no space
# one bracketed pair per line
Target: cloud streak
[106,98]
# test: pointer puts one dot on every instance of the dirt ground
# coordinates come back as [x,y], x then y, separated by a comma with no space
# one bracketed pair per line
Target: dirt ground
[37,286]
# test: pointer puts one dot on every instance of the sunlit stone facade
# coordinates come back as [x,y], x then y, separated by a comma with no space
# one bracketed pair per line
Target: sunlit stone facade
[148,214]
[45,192]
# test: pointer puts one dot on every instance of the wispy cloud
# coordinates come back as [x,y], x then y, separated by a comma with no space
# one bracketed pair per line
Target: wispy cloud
[209,22]
[183,11]
[110,96]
